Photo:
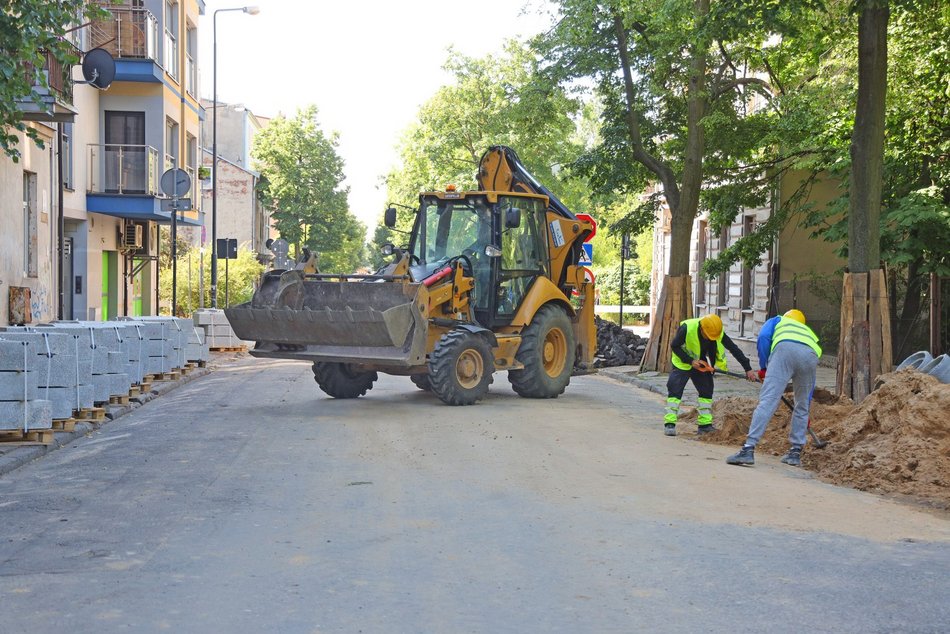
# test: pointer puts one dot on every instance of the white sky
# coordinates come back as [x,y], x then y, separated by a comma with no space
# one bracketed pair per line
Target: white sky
[367,65]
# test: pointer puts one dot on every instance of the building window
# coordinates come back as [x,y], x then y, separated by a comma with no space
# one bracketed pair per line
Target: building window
[171,143]
[723,285]
[748,272]
[191,56]
[171,38]
[700,261]
[67,152]
[30,225]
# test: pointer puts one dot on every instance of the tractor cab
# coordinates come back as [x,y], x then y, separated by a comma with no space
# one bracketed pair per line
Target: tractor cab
[500,240]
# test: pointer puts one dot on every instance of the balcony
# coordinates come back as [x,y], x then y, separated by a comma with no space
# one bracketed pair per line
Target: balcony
[123,170]
[55,87]
[131,36]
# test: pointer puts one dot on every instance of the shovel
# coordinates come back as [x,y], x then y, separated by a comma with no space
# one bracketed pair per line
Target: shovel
[819,443]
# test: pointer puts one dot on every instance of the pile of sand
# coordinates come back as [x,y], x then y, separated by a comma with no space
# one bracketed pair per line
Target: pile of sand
[896,441]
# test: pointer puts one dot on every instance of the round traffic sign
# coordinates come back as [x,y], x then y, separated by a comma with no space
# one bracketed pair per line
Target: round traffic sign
[175,182]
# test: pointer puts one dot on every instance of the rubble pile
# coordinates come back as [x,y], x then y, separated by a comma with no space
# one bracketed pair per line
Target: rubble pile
[616,346]
[896,441]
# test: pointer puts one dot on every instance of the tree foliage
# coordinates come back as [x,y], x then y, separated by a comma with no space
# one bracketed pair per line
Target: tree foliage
[301,181]
[242,276]
[689,90]
[28,29]
[495,100]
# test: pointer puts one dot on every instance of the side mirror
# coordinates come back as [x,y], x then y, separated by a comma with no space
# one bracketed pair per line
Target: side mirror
[389,219]
[492,251]
[388,249]
[512,218]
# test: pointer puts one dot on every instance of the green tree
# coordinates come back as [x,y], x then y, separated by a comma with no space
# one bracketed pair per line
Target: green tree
[242,277]
[679,81]
[28,30]
[301,181]
[495,100]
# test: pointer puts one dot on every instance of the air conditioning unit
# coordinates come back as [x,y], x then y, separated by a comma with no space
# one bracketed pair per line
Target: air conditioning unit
[133,238]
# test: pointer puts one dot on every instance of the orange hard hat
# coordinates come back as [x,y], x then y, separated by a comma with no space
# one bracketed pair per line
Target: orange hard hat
[711,326]
[795,314]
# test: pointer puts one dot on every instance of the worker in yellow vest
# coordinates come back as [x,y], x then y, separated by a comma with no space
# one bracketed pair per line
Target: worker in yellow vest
[697,342]
[789,349]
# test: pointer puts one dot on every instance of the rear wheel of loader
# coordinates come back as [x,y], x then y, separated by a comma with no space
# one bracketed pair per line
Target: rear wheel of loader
[339,380]
[421,381]
[547,352]
[460,368]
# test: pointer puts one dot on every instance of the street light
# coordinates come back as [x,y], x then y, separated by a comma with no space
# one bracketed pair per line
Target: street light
[251,10]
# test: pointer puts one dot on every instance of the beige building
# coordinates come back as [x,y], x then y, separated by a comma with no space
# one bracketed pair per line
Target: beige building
[798,271]
[240,214]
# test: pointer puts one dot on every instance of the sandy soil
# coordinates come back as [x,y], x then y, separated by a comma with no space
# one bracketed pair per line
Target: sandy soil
[897,441]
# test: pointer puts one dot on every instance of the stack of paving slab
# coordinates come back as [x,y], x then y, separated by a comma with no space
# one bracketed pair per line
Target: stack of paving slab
[110,360]
[63,367]
[21,409]
[134,337]
[167,338]
[196,349]
[218,333]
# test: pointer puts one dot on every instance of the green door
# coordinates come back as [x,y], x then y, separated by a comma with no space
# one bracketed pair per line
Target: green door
[105,286]
[110,285]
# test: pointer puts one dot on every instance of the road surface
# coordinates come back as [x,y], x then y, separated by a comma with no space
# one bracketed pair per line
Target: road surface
[247,501]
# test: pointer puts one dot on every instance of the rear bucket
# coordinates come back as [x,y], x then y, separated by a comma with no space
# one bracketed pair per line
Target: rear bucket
[373,322]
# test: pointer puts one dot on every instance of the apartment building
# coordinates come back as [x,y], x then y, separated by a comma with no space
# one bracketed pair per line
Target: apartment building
[121,142]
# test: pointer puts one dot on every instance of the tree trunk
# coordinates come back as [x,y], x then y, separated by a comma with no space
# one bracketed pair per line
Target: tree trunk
[675,302]
[865,345]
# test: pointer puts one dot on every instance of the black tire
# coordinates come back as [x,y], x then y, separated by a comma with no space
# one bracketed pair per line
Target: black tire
[421,381]
[461,367]
[339,380]
[547,352]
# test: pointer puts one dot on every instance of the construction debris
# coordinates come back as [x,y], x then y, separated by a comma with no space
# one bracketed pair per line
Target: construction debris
[616,346]
[897,441]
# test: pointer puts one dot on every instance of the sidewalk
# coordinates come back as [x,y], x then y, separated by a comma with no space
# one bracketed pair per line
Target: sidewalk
[725,385]
[14,454]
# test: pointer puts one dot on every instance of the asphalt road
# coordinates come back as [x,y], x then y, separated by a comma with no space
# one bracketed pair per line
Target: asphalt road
[247,501]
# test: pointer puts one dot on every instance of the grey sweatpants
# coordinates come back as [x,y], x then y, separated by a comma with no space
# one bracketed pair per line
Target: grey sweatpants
[789,361]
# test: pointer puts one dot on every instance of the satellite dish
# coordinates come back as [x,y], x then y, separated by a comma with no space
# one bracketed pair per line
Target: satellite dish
[98,67]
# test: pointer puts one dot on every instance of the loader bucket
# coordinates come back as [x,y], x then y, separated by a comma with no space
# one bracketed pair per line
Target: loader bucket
[370,321]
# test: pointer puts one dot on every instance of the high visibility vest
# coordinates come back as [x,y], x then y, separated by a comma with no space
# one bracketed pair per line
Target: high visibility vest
[692,346]
[788,329]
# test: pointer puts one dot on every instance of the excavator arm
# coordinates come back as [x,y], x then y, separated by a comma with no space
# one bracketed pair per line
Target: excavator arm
[500,169]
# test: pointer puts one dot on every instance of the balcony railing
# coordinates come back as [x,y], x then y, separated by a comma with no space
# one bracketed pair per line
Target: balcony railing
[171,54]
[169,162]
[191,76]
[56,75]
[130,33]
[123,169]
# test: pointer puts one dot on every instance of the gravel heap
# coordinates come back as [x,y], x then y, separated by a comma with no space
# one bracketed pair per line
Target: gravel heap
[616,346]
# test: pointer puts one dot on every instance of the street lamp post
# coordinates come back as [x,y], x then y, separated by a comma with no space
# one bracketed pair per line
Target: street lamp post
[214,149]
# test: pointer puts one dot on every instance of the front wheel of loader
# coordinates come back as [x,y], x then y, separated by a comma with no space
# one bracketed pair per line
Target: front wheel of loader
[421,381]
[339,380]
[547,352]
[460,368]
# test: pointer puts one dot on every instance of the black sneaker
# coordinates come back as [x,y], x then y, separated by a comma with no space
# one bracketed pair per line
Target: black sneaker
[702,430]
[746,456]
[669,429]
[793,457]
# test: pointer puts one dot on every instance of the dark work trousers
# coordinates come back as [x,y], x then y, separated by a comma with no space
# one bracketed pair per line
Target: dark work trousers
[702,381]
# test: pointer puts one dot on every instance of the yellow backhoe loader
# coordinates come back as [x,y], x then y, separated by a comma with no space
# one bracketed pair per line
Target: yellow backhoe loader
[484,285]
